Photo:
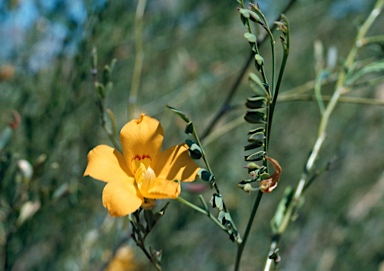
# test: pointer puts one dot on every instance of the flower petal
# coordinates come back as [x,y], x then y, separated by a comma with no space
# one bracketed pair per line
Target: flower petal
[141,139]
[161,189]
[176,164]
[106,164]
[121,198]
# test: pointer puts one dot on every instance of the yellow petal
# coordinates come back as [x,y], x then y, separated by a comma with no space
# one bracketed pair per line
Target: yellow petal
[161,189]
[152,187]
[176,164]
[141,139]
[121,198]
[106,164]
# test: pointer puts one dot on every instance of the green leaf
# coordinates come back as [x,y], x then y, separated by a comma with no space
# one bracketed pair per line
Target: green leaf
[256,130]
[179,113]
[256,136]
[276,221]
[100,90]
[253,116]
[257,156]
[250,37]
[152,218]
[160,213]
[255,102]
[257,86]
[259,60]
[254,17]
[149,219]
[189,128]
[254,145]
[244,13]
[106,74]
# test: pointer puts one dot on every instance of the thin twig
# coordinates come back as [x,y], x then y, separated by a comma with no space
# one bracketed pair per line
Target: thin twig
[241,246]
[203,211]
[138,66]
[327,98]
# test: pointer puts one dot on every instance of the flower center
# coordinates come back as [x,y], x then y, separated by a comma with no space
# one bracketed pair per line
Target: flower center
[138,160]
[144,174]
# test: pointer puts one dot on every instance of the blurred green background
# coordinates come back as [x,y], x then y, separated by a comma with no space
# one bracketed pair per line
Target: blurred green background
[193,53]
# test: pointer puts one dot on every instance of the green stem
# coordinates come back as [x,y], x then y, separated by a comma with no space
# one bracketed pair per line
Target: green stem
[318,95]
[138,66]
[196,136]
[351,100]
[272,248]
[276,92]
[306,87]
[112,139]
[140,242]
[240,247]
[373,39]
[203,211]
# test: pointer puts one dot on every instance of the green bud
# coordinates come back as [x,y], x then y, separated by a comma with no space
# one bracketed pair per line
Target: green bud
[250,37]
[205,175]
[259,59]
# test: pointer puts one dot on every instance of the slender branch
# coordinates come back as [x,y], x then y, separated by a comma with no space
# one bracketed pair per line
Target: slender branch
[348,66]
[226,104]
[203,211]
[306,87]
[318,95]
[351,100]
[272,248]
[224,129]
[139,239]
[196,136]
[285,45]
[373,39]
[138,66]
[241,246]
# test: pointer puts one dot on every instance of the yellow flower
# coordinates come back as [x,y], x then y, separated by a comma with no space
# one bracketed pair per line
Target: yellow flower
[143,171]
[123,260]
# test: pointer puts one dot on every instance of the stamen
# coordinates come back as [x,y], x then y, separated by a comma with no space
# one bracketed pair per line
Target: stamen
[144,176]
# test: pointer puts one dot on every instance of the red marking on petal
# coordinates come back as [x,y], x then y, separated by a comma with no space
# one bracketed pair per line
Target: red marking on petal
[144,156]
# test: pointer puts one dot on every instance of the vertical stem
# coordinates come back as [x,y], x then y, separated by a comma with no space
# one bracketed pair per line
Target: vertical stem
[241,246]
[272,248]
[138,66]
